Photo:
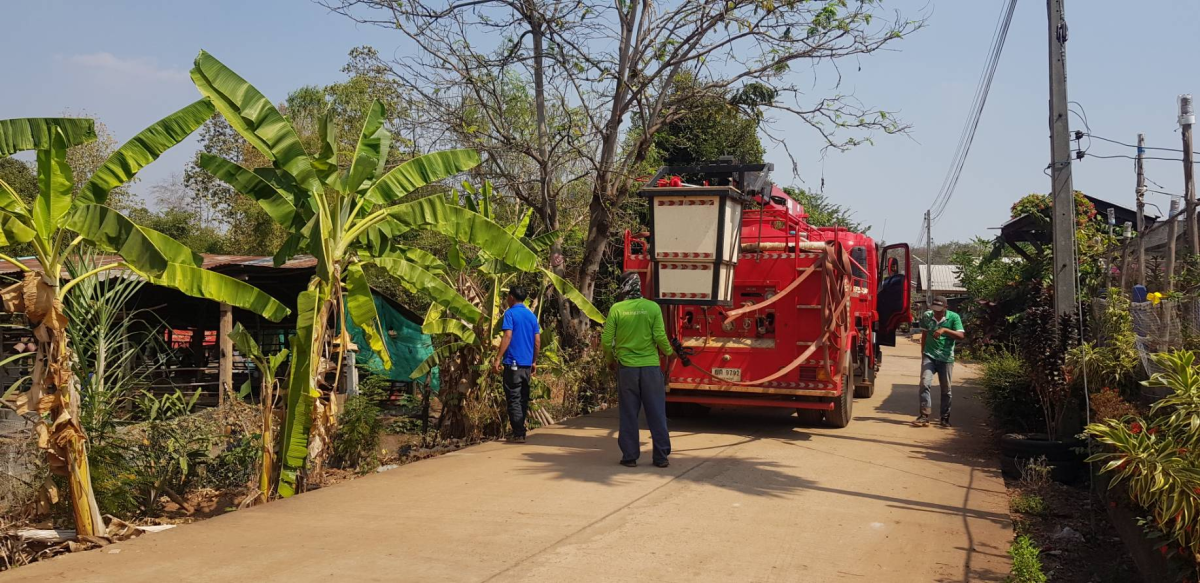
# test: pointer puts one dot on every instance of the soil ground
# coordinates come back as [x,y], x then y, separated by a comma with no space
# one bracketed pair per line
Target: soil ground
[750,496]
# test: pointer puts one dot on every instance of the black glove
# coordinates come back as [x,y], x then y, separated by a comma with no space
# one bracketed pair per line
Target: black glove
[681,352]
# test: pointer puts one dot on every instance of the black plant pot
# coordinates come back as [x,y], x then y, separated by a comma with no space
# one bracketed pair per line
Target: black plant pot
[1063,457]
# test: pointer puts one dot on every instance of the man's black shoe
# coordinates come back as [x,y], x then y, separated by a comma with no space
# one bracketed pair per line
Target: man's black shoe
[945,422]
[629,463]
[662,464]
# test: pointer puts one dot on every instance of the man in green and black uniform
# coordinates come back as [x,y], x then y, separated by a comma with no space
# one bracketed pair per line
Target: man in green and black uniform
[940,330]
[634,336]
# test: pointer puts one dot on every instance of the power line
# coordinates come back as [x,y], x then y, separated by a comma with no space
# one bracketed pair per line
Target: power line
[1119,143]
[976,113]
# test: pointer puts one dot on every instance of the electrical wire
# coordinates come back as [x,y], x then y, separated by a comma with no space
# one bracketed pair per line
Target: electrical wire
[1119,143]
[976,113]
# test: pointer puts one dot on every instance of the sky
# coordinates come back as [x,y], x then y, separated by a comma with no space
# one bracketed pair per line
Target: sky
[125,63]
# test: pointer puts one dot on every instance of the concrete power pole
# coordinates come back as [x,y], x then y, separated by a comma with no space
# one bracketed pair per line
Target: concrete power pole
[1141,209]
[1062,188]
[1187,117]
[928,261]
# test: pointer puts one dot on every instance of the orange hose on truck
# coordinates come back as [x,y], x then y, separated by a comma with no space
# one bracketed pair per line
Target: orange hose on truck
[765,309]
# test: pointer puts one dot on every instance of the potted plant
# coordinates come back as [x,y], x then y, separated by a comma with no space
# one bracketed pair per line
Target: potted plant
[1045,339]
[1155,459]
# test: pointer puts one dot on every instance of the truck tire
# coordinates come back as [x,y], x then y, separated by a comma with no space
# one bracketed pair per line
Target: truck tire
[843,406]
[864,385]
[809,417]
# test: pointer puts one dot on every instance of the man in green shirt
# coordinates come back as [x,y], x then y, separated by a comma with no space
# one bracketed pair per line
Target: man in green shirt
[940,330]
[634,336]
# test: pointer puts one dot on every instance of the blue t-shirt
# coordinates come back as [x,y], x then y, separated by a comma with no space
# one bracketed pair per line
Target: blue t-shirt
[524,326]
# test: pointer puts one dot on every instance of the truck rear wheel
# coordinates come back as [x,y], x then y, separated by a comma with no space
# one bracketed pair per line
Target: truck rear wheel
[864,386]
[843,406]
[809,416]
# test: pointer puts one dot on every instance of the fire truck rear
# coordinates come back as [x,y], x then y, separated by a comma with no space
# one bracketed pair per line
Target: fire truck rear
[769,311]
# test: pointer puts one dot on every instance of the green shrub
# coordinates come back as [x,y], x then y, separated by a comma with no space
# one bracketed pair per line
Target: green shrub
[234,467]
[1008,392]
[1028,504]
[1157,456]
[1026,567]
[356,443]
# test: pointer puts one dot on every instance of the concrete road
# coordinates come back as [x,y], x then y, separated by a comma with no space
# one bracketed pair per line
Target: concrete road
[749,496]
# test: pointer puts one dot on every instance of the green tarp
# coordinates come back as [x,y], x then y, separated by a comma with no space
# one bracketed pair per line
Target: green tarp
[406,344]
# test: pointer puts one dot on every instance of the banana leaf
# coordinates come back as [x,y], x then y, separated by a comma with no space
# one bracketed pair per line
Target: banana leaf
[13,231]
[36,133]
[201,283]
[542,242]
[423,259]
[450,326]
[289,249]
[521,227]
[254,117]
[464,226]
[435,358]
[301,393]
[421,171]
[11,202]
[370,156]
[325,162]
[420,279]
[143,149]
[361,305]
[244,342]
[250,184]
[54,185]
[145,249]
[568,291]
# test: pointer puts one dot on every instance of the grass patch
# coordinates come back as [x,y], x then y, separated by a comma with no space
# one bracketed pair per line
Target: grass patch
[1027,567]
[1028,504]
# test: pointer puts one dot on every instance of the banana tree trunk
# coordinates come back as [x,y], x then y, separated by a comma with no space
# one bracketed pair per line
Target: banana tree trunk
[267,464]
[54,395]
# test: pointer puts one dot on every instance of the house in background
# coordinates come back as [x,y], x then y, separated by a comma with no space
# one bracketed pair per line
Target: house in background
[943,280]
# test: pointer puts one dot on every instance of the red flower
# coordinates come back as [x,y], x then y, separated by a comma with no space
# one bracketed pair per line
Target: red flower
[1164,550]
[1135,427]
[1182,450]
[1153,431]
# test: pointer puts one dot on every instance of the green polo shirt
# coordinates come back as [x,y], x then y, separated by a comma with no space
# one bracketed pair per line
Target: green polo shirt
[634,333]
[940,349]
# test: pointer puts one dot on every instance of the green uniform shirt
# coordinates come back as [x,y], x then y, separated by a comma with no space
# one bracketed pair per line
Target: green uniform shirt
[940,349]
[634,332]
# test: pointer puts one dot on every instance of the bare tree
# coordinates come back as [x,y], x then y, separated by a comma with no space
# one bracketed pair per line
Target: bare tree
[620,61]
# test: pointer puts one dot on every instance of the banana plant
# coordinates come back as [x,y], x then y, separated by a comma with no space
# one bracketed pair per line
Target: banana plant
[56,226]
[471,345]
[268,367]
[346,217]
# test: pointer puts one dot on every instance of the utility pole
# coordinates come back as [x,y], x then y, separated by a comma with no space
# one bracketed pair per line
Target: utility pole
[1172,235]
[1141,209]
[1187,117]
[1062,188]
[928,262]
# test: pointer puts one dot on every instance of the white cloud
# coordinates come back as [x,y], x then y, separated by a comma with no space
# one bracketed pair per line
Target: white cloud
[140,67]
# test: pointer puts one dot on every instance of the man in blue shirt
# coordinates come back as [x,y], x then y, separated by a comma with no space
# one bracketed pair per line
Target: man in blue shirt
[518,358]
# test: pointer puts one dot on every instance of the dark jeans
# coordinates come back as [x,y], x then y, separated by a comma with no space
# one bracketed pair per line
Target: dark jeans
[642,388]
[516,390]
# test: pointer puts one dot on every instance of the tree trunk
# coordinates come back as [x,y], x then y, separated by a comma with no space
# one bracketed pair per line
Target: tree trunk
[596,244]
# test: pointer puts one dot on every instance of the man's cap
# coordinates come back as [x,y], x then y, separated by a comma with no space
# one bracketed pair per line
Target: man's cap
[939,301]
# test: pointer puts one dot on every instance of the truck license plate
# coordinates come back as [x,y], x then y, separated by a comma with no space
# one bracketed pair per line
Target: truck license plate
[728,374]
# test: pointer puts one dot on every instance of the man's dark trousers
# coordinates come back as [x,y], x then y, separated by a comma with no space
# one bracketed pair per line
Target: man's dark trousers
[642,387]
[516,390]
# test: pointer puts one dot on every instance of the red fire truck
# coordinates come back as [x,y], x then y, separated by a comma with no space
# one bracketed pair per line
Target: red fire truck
[765,309]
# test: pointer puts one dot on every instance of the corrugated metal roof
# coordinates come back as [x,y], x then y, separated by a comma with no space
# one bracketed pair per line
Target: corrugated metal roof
[945,278]
[211,260]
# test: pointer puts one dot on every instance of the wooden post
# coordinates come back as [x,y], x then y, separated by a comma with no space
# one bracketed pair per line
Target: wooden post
[1062,190]
[1172,235]
[225,374]
[1126,233]
[1141,209]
